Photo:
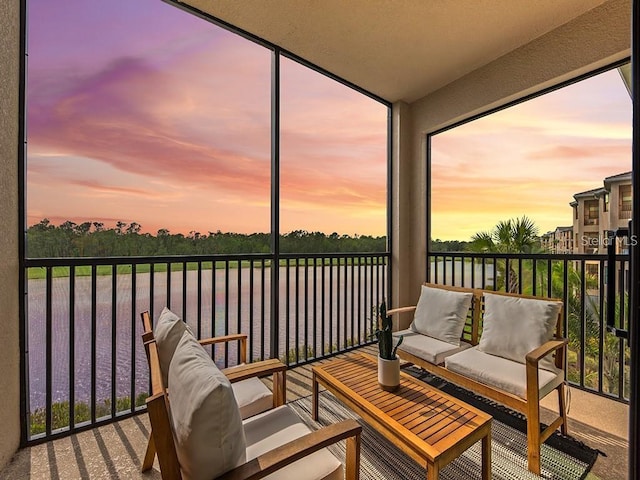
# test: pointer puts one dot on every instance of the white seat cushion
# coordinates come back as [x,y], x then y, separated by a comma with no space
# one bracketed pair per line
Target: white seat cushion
[428,348]
[500,372]
[208,431]
[253,396]
[441,313]
[168,331]
[276,427]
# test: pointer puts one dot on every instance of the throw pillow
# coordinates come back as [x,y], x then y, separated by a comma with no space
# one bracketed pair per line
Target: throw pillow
[441,313]
[208,430]
[514,326]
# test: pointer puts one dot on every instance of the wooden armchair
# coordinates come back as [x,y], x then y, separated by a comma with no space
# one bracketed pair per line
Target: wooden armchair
[252,395]
[282,455]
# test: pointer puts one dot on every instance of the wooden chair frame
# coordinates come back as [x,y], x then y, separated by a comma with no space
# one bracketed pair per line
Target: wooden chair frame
[530,406]
[158,407]
[237,373]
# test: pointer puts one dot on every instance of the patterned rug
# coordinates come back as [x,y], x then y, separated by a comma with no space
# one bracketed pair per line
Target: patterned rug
[562,457]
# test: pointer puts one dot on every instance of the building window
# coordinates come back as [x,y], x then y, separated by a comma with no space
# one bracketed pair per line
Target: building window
[591,213]
[605,206]
[575,212]
[625,201]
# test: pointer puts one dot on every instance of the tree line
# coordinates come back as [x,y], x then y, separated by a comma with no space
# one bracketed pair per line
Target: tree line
[93,239]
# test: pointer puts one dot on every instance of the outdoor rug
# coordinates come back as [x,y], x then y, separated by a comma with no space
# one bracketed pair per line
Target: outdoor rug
[562,457]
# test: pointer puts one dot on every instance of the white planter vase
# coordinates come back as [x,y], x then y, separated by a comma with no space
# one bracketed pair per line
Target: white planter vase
[389,374]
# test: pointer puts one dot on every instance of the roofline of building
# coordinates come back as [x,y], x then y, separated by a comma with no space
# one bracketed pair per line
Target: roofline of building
[621,177]
[596,192]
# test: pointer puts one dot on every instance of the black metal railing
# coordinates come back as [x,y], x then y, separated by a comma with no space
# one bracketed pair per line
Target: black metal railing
[597,360]
[85,359]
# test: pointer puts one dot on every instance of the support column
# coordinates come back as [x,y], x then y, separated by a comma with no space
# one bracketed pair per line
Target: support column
[408,185]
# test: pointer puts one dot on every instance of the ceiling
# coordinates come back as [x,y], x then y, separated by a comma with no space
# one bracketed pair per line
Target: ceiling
[400,50]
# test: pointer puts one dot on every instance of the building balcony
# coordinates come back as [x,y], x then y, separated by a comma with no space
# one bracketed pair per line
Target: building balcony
[624,213]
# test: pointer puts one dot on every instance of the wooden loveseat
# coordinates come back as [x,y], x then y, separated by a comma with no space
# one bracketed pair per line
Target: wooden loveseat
[503,346]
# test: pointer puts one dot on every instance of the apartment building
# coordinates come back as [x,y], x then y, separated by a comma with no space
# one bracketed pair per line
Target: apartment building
[600,210]
[558,241]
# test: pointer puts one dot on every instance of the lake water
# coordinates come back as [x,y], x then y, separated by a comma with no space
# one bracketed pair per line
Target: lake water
[462,274]
[338,305]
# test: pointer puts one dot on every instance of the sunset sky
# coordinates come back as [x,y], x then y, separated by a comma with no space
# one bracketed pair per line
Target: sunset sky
[138,111]
[531,158]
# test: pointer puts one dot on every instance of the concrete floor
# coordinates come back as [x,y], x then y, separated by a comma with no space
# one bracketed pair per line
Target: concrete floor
[600,423]
[115,451]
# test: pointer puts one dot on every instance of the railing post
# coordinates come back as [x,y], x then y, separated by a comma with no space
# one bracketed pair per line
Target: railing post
[634,322]
[275,204]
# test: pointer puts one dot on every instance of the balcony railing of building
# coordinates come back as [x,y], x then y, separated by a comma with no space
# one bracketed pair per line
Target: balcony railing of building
[597,360]
[624,212]
[85,362]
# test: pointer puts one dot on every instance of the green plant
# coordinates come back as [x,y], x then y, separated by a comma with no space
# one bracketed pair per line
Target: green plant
[384,335]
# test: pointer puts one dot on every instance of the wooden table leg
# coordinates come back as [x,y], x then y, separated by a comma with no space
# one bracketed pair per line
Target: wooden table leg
[433,472]
[486,456]
[314,388]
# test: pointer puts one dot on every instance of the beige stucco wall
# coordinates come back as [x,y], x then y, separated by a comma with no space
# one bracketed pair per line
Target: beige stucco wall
[9,268]
[596,39]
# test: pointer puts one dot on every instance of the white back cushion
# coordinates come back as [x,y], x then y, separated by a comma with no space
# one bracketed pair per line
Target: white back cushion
[514,326]
[207,427]
[441,314]
[168,331]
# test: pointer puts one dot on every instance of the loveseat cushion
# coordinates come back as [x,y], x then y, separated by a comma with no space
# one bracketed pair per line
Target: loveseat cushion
[441,313]
[208,431]
[501,373]
[514,326]
[253,396]
[168,331]
[428,348]
[276,427]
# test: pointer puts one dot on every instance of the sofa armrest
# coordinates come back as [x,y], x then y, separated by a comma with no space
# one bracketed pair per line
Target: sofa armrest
[401,310]
[534,356]
[299,448]
[532,360]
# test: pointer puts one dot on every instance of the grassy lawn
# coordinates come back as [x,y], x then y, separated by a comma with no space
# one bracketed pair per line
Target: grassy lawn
[38,273]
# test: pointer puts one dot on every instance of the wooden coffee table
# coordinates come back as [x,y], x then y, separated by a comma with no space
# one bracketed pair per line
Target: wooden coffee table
[430,426]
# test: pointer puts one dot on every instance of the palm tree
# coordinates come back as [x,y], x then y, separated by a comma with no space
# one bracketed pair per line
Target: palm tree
[519,235]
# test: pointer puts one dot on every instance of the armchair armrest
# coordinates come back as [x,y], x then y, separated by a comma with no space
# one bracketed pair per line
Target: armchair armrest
[260,369]
[545,349]
[288,453]
[256,369]
[401,310]
[223,339]
[241,337]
